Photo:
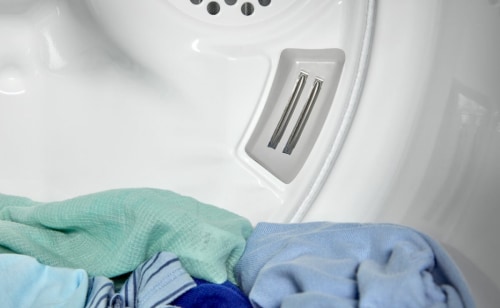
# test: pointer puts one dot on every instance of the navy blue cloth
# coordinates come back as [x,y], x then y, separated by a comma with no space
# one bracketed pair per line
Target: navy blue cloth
[348,265]
[211,295]
[155,283]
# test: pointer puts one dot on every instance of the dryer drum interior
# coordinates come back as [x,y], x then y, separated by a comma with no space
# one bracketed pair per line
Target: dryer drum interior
[279,111]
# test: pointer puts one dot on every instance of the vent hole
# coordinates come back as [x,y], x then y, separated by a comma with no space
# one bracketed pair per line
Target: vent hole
[213,8]
[264,2]
[196,1]
[230,2]
[247,9]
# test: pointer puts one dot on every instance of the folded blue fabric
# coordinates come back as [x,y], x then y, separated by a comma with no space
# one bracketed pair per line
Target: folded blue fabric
[27,283]
[211,295]
[348,265]
[156,282]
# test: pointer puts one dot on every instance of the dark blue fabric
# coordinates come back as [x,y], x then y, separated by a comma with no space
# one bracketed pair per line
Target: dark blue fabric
[211,295]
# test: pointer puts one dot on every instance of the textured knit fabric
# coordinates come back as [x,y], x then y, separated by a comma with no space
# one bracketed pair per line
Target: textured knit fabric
[112,232]
[154,283]
[24,282]
[210,295]
[348,265]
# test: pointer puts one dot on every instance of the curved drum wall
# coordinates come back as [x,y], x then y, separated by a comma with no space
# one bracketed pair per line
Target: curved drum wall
[424,148]
[106,94]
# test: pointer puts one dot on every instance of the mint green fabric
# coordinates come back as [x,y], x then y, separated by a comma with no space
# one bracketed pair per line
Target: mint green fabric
[112,232]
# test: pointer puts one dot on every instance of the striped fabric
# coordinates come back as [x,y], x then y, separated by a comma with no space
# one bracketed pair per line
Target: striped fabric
[156,282]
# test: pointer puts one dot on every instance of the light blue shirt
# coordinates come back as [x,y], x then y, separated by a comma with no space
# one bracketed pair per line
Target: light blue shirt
[348,265]
[24,282]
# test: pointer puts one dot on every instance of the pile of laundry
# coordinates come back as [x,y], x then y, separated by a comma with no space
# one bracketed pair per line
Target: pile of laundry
[155,248]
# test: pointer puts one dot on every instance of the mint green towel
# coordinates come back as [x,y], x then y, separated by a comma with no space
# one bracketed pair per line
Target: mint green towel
[110,233]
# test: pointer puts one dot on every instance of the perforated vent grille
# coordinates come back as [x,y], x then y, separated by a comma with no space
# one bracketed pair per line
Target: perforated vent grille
[247,8]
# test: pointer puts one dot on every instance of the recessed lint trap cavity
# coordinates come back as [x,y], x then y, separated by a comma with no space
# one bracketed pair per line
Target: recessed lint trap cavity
[298,103]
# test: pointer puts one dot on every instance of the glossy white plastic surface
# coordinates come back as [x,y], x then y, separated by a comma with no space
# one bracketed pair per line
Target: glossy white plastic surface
[286,108]
[107,94]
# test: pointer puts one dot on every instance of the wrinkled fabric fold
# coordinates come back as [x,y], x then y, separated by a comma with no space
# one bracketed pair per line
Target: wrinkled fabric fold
[26,283]
[110,233]
[211,295]
[155,283]
[348,265]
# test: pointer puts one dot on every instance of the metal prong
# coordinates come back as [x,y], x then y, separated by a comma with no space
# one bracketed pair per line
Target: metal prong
[304,116]
[287,113]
